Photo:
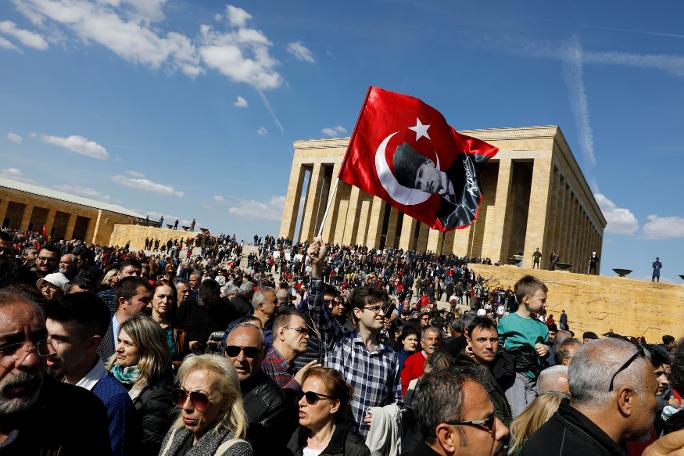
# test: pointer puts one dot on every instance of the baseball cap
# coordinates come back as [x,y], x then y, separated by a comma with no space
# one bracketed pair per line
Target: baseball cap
[57,279]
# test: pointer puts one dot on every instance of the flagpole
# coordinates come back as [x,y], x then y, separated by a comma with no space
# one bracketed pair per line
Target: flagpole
[331,198]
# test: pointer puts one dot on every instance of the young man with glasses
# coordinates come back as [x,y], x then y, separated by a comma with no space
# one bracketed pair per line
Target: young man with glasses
[271,418]
[456,416]
[39,415]
[371,367]
[613,400]
[290,338]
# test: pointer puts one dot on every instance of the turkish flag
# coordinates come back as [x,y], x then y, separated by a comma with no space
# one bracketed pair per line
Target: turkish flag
[403,151]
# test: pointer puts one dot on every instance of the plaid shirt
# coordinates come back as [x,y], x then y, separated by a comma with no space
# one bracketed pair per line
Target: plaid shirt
[374,375]
[279,369]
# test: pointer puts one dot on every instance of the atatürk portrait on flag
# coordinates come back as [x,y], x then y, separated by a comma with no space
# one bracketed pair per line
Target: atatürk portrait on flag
[458,186]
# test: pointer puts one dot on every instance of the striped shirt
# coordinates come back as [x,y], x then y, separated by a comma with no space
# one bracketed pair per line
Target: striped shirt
[374,375]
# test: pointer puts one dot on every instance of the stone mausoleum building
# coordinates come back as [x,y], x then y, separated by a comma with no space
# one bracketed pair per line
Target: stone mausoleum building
[535,197]
[29,207]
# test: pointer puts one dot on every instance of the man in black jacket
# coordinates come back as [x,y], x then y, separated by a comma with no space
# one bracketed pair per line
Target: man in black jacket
[38,415]
[482,348]
[271,417]
[455,415]
[613,393]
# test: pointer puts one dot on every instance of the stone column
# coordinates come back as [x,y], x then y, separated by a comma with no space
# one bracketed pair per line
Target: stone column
[26,217]
[291,206]
[364,215]
[565,242]
[422,241]
[496,230]
[333,215]
[538,207]
[377,214]
[552,234]
[461,244]
[91,228]
[312,204]
[69,233]
[344,191]
[50,221]
[391,226]
[96,227]
[4,203]
[434,242]
[351,223]
[408,228]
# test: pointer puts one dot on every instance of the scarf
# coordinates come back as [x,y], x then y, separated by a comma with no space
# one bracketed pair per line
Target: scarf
[126,375]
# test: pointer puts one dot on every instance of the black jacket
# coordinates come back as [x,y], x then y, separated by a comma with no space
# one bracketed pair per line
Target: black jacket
[65,420]
[155,413]
[569,433]
[271,416]
[422,450]
[497,393]
[342,443]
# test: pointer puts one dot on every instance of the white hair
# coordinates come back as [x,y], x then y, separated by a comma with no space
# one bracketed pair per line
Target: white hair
[550,379]
[594,365]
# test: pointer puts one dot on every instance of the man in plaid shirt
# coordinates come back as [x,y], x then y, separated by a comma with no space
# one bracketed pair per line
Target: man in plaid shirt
[371,367]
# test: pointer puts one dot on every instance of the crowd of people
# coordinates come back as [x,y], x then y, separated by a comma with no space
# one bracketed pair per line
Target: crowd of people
[309,349]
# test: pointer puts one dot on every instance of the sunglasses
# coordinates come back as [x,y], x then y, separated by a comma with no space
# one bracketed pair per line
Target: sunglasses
[311,397]
[250,352]
[486,425]
[639,354]
[199,401]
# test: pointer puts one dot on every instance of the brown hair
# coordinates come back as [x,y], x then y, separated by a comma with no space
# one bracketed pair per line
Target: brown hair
[335,385]
[528,286]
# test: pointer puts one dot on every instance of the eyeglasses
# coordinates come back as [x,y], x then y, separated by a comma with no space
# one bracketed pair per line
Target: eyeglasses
[41,347]
[300,330]
[250,352]
[376,309]
[486,424]
[48,259]
[639,354]
[311,397]
[199,401]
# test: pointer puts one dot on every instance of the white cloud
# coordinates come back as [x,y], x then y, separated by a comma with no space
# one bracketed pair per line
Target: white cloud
[78,144]
[15,138]
[240,102]
[241,54]
[219,198]
[16,174]
[334,131]
[84,191]
[663,227]
[573,74]
[130,172]
[237,16]
[301,52]
[25,37]
[620,220]
[251,209]
[5,44]
[142,183]
[126,34]
[261,131]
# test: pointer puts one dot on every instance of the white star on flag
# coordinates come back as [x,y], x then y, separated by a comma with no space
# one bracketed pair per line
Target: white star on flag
[420,129]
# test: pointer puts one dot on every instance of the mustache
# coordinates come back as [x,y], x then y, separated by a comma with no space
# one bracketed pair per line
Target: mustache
[21,379]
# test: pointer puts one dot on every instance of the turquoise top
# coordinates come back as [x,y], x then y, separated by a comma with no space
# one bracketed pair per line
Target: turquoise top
[516,331]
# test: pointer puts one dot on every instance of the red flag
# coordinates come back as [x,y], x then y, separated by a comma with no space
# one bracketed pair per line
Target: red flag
[403,151]
[44,232]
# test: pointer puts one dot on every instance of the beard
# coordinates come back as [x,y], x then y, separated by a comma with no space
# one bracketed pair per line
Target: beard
[10,403]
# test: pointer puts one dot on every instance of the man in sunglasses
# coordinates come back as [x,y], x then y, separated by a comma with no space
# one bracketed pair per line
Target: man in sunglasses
[39,415]
[456,416]
[370,366]
[613,392]
[290,338]
[271,419]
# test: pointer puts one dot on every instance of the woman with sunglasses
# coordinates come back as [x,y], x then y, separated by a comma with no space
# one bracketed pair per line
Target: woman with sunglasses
[323,404]
[212,417]
[142,364]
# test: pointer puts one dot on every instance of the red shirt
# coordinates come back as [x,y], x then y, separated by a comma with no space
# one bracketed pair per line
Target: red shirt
[413,368]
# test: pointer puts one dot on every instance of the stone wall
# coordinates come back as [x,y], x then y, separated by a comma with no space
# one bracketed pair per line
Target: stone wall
[599,303]
[136,234]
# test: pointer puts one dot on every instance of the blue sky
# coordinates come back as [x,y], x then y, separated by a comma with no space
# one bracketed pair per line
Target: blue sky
[189,108]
